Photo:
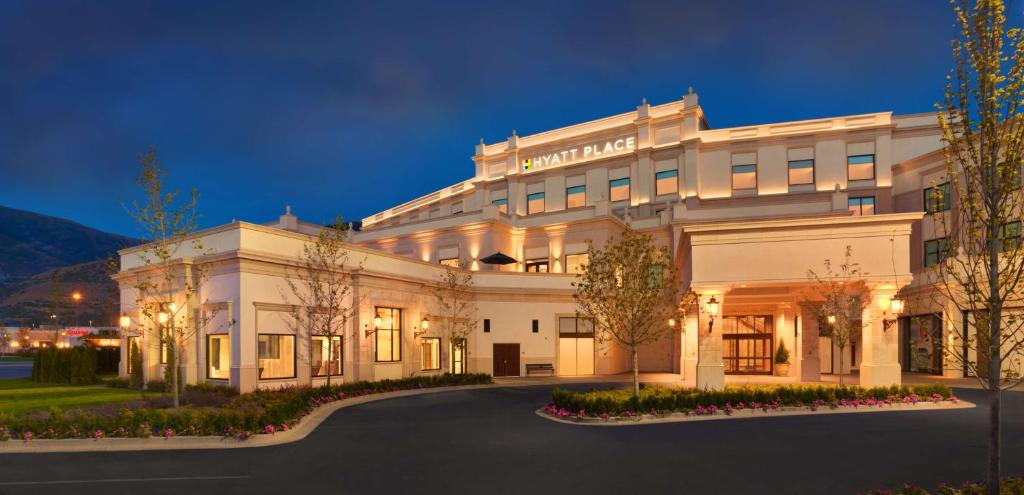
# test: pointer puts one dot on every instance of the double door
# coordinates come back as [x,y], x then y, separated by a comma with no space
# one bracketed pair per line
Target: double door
[506,359]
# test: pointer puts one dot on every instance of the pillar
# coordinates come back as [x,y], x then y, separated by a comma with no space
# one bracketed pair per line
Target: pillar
[710,369]
[810,360]
[880,365]
[691,327]
[953,335]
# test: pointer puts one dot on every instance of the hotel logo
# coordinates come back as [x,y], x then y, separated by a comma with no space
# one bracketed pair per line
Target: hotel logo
[576,154]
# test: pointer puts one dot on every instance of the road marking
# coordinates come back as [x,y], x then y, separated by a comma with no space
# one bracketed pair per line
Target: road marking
[122,480]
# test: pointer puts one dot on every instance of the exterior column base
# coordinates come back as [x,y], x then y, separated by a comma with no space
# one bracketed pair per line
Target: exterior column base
[711,376]
[880,375]
[690,370]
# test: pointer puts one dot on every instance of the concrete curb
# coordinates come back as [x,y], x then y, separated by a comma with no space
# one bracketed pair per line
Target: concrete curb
[751,414]
[305,426]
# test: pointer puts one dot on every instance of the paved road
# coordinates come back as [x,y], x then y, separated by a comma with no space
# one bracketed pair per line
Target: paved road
[15,369]
[490,441]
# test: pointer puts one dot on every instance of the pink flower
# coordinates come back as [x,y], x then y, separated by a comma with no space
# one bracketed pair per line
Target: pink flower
[284,426]
[27,436]
[98,434]
[269,429]
[168,433]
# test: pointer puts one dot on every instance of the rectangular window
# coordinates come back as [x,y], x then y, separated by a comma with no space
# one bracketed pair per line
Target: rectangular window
[276,356]
[860,167]
[456,207]
[537,265]
[576,197]
[452,262]
[935,251]
[502,205]
[938,198]
[862,206]
[1009,238]
[666,182]
[574,263]
[487,325]
[801,172]
[431,354]
[618,190]
[535,326]
[389,335]
[578,328]
[744,178]
[458,356]
[534,203]
[325,355]
[218,357]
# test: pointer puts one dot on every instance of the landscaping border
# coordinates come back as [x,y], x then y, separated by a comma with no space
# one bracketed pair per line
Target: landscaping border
[301,430]
[677,417]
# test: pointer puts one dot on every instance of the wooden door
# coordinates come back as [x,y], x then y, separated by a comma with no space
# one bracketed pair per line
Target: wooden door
[506,359]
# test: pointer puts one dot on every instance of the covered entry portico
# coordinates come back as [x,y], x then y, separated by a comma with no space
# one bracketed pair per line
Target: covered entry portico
[757,273]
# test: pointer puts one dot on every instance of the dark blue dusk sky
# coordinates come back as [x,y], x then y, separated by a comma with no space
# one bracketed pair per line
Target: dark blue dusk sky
[350,108]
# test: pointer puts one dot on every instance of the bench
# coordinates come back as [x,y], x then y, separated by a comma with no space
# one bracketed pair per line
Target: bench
[540,368]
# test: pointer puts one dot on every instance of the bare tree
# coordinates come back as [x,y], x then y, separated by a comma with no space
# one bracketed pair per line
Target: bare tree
[322,283]
[165,284]
[842,290]
[980,261]
[456,310]
[629,287]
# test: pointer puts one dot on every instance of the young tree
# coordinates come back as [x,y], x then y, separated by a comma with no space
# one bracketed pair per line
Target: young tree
[630,288]
[842,290]
[456,309]
[165,284]
[322,283]
[982,265]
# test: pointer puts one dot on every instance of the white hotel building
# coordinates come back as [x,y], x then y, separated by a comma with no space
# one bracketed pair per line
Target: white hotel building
[744,211]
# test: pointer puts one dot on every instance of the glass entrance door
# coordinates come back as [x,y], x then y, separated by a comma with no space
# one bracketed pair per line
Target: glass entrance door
[747,344]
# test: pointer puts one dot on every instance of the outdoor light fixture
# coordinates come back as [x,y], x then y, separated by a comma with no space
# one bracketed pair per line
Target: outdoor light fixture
[712,309]
[377,322]
[125,321]
[162,318]
[831,319]
[672,322]
[76,296]
[424,325]
[173,307]
[890,317]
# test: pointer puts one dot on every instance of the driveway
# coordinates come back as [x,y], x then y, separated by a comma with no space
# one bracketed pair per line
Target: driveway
[490,441]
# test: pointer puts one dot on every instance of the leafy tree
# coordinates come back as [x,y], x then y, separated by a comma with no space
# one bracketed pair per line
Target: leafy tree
[630,288]
[456,309]
[842,290]
[981,270]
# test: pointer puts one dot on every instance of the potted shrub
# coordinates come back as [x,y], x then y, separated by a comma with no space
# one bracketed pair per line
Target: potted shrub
[782,360]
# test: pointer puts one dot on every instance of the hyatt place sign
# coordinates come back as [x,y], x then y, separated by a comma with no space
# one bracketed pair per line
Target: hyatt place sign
[593,151]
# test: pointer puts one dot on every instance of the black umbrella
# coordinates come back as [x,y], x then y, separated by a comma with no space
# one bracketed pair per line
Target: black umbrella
[498,258]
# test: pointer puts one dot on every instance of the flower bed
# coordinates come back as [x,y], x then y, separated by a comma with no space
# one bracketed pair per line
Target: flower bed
[658,401]
[1009,486]
[260,412]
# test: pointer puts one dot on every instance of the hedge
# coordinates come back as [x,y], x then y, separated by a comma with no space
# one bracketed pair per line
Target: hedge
[1008,486]
[76,365]
[685,399]
[263,411]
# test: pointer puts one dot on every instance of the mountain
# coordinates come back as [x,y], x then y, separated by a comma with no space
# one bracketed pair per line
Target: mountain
[34,249]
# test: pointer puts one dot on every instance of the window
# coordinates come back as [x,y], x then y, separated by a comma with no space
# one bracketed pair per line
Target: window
[218,357]
[938,198]
[935,251]
[535,326]
[452,262]
[537,265]
[578,328]
[1009,238]
[618,189]
[431,354]
[574,263]
[666,182]
[458,356]
[744,177]
[801,172]
[534,203]
[165,348]
[862,206]
[860,167]
[487,325]
[576,196]
[326,355]
[276,356]
[456,207]
[502,205]
[389,335]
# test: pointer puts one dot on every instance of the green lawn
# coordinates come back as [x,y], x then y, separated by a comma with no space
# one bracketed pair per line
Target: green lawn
[20,395]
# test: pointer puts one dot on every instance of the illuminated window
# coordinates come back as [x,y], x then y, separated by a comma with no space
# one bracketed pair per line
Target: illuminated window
[326,355]
[276,356]
[452,262]
[936,250]
[1009,238]
[389,335]
[456,207]
[458,356]
[576,196]
[938,198]
[218,357]
[574,263]
[744,178]
[862,206]
[618,190]
[537,265]
[666,182]
[430,354]
[860,167]
[534,203]
[801,172]
[502,205]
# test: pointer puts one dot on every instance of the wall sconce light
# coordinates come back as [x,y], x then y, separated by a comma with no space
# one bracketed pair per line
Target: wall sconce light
[672,322]
[831,319]
[424,326]
[162,317]
[125,321]
[377,322]
[892,314]
[712,309]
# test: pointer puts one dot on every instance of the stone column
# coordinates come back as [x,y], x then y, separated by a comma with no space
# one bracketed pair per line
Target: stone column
[810,360]
[691,327]
[952,335]
[880,365]
[710,370]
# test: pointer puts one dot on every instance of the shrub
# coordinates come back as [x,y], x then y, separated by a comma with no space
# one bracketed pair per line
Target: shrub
[1009,486]
[76,365]
[135,364]
[782,354]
